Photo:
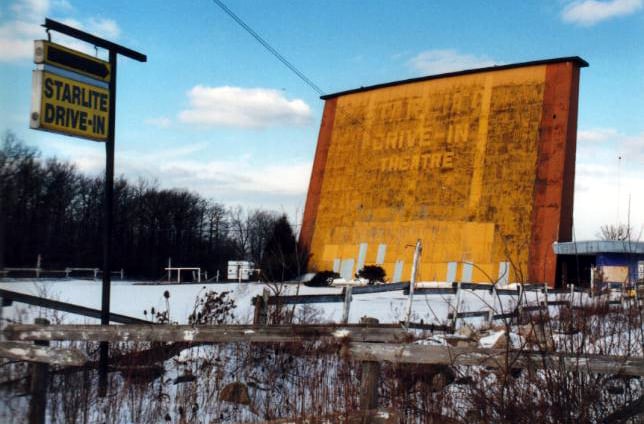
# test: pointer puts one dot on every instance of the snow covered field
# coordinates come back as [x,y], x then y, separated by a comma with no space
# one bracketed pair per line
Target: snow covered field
[131,299]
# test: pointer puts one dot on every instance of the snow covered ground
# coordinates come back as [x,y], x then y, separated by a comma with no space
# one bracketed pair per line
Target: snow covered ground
[130,298]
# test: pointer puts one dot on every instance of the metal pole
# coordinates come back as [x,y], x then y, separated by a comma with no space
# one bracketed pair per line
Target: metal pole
[412,282]
[107,225]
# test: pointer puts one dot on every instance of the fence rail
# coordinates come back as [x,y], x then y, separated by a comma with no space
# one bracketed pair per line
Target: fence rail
[207,334]
[448,355]
[71,308]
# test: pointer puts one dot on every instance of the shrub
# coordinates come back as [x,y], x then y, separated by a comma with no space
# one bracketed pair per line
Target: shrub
[372,273]
[322,279]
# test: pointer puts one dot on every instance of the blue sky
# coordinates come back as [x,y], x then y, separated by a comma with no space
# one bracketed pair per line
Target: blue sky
[214,112]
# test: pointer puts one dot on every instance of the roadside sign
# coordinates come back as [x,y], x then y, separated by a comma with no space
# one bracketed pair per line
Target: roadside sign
[48,53]
[67,106]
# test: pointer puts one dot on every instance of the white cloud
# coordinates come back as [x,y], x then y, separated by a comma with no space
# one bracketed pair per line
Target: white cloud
[161,122]
[243,107]
[602,194]
[633,147]
[104,28]
[595,135]
[596,144]
[590,12]
[442,61]
[232,180]
[31,9]
[609,169]
[18,33]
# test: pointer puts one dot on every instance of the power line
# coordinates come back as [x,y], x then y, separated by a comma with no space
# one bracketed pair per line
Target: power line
[268,47]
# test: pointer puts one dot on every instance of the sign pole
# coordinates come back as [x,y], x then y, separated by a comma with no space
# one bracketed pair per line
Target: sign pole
[82,65]
[108,222]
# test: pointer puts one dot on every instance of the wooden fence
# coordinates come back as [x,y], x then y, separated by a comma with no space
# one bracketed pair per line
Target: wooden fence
[369,343]
[9,296]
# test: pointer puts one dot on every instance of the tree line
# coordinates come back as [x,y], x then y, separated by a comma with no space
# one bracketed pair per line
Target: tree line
[49,208]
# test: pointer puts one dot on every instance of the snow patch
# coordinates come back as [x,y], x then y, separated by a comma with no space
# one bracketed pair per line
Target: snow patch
[189,335]
[491,340]
[18,351]
[340,334]
[435,340]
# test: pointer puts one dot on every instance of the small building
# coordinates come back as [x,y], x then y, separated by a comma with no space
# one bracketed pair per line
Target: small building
[240,270]
[599,261]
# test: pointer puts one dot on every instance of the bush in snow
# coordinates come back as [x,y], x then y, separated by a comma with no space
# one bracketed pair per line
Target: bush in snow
[322,279]
[372,273]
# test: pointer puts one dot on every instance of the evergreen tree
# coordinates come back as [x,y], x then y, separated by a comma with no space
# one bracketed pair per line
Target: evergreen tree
[281,260]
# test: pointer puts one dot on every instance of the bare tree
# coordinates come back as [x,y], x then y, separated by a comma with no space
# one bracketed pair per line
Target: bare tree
[620,232]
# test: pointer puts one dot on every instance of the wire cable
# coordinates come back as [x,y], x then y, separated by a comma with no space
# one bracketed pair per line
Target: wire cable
[268,47]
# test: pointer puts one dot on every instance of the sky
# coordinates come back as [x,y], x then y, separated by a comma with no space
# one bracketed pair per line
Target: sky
[212,111]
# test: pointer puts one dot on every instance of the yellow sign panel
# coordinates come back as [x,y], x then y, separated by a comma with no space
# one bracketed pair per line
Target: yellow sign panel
[66,106]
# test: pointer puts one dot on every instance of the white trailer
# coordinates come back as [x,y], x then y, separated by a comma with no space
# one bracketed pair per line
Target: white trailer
[240,270]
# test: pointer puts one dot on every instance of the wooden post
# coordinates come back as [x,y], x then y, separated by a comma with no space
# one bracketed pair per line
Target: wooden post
[38,390]
[347,304]
[490,314]
[457,302]
[260,317]
[412,282]
[1,321]
[370,379]
[265,294]
[38,263]
[520,302]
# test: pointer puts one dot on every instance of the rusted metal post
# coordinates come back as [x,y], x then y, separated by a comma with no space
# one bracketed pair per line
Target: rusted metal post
[370,379]
[38,386]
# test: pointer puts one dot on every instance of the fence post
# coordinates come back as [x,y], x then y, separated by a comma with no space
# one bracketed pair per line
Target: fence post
[490,314]
[370,378]
[38,386]
[260,316]
[347,304]
[521,291]
[122,274]
[38,263]
[457,301]
[412,282]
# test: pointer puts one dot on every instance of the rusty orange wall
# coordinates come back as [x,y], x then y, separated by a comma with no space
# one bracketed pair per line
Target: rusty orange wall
[478,166]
